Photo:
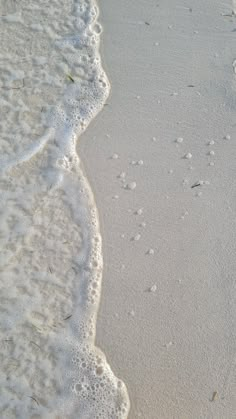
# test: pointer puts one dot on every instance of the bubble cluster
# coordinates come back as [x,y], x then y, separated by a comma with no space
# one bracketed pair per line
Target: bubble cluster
[91,387]
[54,85]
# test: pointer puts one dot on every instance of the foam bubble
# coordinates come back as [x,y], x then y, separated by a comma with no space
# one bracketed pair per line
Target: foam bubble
[50,223]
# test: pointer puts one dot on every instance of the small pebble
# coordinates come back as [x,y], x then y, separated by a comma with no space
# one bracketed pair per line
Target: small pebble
[153,288]
[150,252]
[122,175]
[171,171]
[212,142]
[168,345]
[227,137]
[179,140]
[131,313]
[139,211]
[211,153]
[154,139]
[115,197]
[143,224]
[188,156]
[137,237]
[184,215]
[211,163]
[131,186]
[115,156]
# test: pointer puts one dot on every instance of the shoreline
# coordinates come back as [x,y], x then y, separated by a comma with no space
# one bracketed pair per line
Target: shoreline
[172,346]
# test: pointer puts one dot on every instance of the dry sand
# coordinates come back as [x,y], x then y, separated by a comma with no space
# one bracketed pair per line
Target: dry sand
[170,64]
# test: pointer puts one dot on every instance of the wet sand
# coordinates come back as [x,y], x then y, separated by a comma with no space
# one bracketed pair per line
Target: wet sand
[167,315]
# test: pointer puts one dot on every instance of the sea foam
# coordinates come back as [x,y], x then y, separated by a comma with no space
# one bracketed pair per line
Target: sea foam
[52,84]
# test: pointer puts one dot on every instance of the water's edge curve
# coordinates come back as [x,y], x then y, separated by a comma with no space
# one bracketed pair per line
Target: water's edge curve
[53,267]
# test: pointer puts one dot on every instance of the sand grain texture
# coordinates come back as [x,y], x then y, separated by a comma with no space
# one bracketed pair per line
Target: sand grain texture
[170,66]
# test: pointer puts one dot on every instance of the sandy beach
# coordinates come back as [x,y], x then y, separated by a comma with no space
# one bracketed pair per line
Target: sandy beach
[167,319]
[142,264]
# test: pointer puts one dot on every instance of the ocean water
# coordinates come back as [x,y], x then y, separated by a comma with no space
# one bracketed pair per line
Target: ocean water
[52,85]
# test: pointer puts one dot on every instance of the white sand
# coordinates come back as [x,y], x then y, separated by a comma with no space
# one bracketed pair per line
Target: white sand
[171,77]
[167,318]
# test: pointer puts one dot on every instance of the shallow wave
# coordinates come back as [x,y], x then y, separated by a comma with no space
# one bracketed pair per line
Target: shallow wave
[52,86]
